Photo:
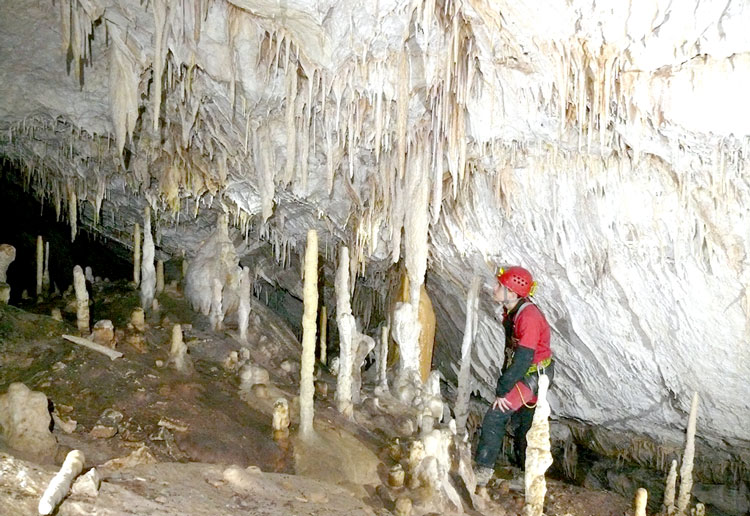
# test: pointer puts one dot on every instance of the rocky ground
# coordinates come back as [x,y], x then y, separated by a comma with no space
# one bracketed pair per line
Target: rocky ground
[200,442]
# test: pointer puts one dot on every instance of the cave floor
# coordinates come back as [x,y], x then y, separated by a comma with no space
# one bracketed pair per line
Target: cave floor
[162,441]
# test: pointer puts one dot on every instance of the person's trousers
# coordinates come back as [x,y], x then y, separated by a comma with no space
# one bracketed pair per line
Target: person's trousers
[493,431]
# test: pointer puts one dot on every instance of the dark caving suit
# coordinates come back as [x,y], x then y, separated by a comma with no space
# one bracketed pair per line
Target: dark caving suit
[527,341]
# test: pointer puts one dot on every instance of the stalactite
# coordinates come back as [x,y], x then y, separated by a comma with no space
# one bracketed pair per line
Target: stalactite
[291,129]
[402,104]
[123,88]
[72,212]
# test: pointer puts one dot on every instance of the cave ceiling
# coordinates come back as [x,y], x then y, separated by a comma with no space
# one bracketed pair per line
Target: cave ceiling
[601,144]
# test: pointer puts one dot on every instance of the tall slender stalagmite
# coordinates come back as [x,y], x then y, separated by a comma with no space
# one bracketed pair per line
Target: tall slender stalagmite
[82,300]
[347,327]
[309,319]
[464,375]
[669,489]
[686,469]
[538,455]
[159,276]
[383,360]
[137,254]
[243,312]
[39,264]
[639,504]
[323,333]
[148,271]
[45,274]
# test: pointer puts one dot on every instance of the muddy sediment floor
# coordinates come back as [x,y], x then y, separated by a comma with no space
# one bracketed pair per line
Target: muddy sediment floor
[166,442]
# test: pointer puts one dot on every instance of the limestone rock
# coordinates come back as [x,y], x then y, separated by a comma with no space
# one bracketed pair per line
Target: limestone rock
[25,421]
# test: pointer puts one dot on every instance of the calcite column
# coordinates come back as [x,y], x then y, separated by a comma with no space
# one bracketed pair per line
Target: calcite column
[309,320]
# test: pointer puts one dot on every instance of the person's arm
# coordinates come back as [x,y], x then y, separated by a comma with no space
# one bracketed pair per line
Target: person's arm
[527,329]
[521,362]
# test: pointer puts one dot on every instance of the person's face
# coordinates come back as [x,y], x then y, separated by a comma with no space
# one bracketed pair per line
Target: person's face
[505,297]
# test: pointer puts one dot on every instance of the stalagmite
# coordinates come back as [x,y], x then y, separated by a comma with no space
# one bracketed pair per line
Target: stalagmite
[639,505]
[323,330]
[148,271]
[178,352]
[82,300]
[383,361]
[347,327]
[280,421]
[426,316]
[216,312]
[538,456]
[361,347]
[159,276]
[309,318]
[137,254]
[45,273]
[686,469]
[60,484]
[464,376]
[39,264]
[669,489]
[7,255]
[243,312]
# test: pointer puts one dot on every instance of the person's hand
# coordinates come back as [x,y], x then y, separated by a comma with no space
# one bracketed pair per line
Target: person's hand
[501,404]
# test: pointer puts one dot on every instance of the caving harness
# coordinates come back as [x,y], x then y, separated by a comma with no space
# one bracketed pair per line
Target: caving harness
[531,377]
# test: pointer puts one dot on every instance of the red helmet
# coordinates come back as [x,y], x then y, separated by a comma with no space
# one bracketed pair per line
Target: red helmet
[518,280]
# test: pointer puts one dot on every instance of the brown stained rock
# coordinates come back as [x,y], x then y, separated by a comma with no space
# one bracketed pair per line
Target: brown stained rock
[137,342]
[104,333]
[103,432]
